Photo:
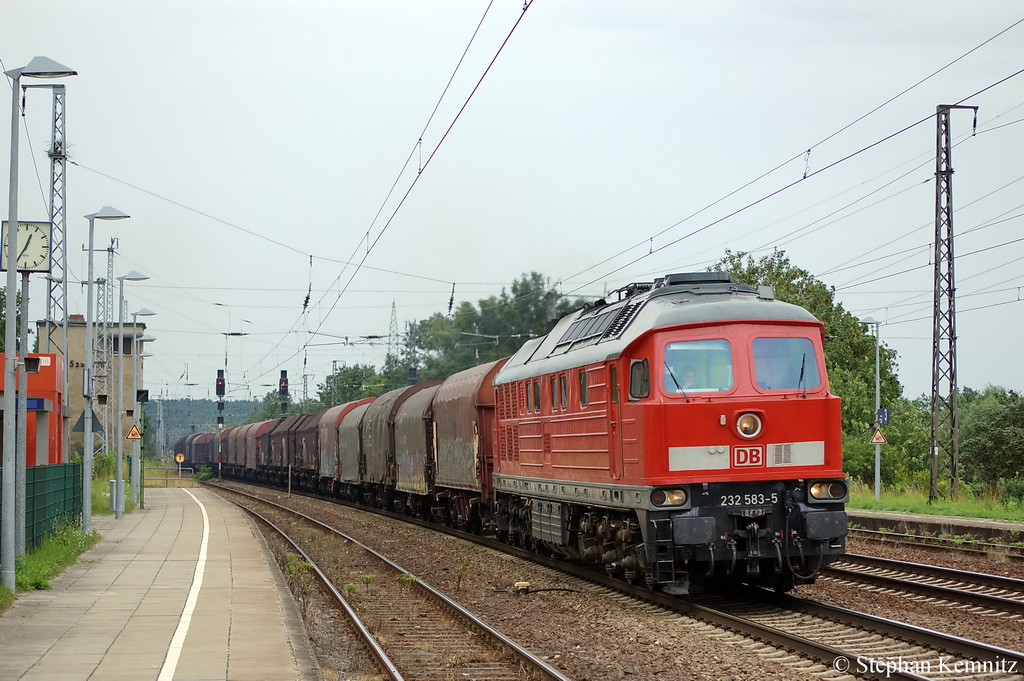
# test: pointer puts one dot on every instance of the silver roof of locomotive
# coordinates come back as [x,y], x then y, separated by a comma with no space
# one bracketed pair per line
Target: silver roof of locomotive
[603,331]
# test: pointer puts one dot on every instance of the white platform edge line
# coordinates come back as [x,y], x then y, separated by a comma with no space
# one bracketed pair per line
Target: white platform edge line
[178,640]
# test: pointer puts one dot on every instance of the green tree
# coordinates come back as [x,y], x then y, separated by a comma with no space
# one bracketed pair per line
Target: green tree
[992,435]
[904,457]
[348,384]
[270,408]
[495,328]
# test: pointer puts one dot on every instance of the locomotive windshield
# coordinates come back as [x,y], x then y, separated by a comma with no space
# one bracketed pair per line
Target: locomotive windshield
[785,364]
[698,366]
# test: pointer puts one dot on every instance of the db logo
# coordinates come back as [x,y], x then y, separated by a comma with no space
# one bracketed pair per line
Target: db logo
[748,455]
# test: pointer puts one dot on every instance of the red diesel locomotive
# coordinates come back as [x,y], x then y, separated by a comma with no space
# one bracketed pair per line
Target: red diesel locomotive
[681,434]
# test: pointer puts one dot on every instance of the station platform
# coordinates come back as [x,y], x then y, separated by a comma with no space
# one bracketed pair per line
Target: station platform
[982,529]
[184,589]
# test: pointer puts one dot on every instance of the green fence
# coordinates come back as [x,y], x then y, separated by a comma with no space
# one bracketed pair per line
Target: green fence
[53,496]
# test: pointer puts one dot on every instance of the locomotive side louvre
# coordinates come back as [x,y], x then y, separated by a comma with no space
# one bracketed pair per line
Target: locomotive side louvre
[675,435]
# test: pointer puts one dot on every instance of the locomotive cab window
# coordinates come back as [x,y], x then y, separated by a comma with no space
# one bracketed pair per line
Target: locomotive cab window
[785,364]
[698,366]
[639,379]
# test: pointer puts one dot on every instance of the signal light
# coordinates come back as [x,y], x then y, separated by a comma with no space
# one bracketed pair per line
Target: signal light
[828,490]
[282,385]
[668,497]
[220,382]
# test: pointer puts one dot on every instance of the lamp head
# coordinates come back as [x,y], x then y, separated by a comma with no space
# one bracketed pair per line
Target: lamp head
[133,276]
[145,339]
[42,67]
[868,321]
[107,213]
[143,312]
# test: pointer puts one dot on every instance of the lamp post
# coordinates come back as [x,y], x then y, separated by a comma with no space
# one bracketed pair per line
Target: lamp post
[140,488]
[878,448]
[119,484]
[39,67]
[136,411]
[105,213]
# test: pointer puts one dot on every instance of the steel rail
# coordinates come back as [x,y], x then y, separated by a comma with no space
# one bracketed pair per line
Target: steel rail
[806,647]
[772,636]
[960,591]
[383,661]
[536,663]
[901,630]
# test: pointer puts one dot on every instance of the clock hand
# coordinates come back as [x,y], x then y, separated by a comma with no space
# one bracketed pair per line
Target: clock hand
[25,247]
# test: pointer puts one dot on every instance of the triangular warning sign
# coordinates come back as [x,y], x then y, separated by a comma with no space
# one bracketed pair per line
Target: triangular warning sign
[878,438]
[134,433]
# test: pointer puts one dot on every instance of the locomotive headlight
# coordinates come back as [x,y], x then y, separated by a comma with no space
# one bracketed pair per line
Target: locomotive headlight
[748,425]
[828,490]
[668,497]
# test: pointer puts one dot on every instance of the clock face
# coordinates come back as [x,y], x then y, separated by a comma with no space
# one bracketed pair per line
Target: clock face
[33,246]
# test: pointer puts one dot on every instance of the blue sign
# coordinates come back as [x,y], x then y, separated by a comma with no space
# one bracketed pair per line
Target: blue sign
[883,417]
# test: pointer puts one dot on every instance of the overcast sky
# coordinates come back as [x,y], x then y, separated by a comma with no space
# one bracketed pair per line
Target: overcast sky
[253,144]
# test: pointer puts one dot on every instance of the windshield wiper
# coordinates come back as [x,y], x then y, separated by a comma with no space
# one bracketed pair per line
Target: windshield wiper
[803,361]
[673,377]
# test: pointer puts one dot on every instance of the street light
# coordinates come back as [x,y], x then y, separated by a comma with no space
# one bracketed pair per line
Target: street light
[868,321]
[119,484]
[40,67]
[105,213]
[137,412]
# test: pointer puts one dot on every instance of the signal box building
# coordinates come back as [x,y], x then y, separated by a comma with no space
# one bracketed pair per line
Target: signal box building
[107,344]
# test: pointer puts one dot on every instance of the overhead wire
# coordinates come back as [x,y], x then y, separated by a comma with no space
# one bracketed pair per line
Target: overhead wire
[370,245]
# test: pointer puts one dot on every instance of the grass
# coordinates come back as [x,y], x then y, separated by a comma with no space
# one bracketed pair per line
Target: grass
[56,553]
[101,497]
[971,504]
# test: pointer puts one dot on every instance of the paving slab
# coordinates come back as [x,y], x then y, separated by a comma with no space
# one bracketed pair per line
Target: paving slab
[172,591]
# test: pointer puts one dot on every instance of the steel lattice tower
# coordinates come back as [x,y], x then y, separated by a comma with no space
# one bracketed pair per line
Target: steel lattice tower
[56,311]
[945,427]
[393,332]
[104,353]
[57,281]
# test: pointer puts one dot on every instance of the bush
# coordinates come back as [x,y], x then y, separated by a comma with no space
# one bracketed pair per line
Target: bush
[1012,490]
[203,474]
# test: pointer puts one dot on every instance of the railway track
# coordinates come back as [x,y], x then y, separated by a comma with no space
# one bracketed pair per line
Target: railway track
[413,631]
[984,594]
[827,641]
[940,543]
